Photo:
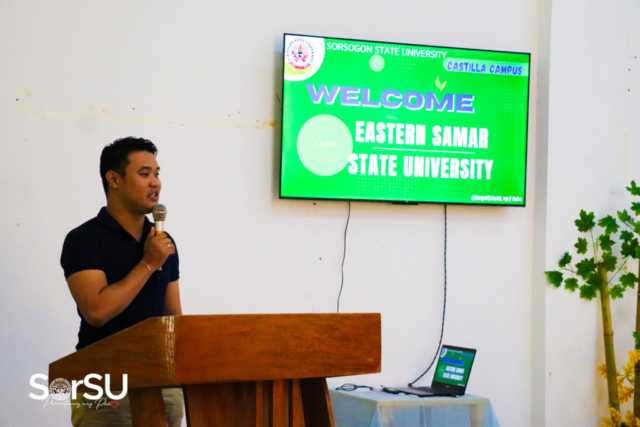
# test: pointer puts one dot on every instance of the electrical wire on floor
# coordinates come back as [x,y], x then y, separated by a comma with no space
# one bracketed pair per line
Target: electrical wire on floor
[444,304]
[344,255]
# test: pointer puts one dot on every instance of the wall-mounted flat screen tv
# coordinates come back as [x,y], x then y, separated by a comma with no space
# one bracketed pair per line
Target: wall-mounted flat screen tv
[391,122]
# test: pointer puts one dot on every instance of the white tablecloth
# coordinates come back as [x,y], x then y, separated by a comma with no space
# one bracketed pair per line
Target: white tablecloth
[379,409]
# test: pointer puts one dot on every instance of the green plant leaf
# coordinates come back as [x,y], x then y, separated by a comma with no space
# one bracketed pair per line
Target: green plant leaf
[571,284]
[554,278]
[438,84]
[586,267]
[588,292]
[636,227]
[629,248]
[581,246]
[585,222]
[626,235]
[616,292]
[594,280]
[609,261]
[565,260]
[609,224]
[635,207]
[637,338]
[625,217]
[443,85]
[634,190]
[629,280]
[637,252]
[605,242]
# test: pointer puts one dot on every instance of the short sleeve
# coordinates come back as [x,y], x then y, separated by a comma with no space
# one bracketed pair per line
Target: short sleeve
[80,251]
[175,263]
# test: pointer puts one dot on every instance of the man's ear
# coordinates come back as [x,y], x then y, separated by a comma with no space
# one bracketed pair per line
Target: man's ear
[113,179]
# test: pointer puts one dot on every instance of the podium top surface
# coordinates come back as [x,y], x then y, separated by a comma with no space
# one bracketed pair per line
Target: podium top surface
[179,350]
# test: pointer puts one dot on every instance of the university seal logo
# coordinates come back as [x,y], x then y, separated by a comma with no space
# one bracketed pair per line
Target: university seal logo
[300,54]
[60,389]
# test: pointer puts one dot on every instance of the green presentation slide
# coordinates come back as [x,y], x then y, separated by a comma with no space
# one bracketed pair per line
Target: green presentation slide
[392,122]
[454,367]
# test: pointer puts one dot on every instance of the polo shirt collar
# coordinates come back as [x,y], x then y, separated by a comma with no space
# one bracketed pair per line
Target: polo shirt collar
[110,222]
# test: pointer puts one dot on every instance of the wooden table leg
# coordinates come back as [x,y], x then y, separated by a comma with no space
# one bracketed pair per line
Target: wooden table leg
[281,403]
[278,403]
[316,403]
[147,407]
[222,404]
[295,400]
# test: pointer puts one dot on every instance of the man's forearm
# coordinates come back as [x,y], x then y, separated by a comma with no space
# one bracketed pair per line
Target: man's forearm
[113,299]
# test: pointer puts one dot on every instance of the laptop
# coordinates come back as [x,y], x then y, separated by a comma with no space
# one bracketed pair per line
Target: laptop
[451,376]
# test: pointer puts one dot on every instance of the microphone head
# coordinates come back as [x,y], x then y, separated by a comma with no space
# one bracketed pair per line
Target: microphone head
[159,212]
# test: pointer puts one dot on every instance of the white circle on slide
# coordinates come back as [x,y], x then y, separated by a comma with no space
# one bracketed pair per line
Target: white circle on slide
[376,63]
[324,145]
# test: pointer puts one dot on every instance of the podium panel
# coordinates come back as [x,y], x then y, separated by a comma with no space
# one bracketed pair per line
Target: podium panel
[256,370]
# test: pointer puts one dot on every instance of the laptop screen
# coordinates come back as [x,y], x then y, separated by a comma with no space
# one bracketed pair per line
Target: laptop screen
[454,366]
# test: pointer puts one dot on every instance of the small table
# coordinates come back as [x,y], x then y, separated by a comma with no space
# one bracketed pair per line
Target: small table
[379,409]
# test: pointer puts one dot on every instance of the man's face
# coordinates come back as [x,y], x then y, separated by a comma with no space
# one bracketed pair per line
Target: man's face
[141,185]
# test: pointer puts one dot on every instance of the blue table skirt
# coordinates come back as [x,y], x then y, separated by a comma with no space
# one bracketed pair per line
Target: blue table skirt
[379,409]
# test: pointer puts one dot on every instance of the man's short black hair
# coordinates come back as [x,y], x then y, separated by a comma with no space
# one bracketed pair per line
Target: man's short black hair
[115,156]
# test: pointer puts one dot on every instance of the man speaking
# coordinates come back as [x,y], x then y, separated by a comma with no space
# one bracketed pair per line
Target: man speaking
[119,270]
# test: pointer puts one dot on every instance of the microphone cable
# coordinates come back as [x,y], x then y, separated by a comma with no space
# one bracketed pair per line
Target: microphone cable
[158,284]
[444,305]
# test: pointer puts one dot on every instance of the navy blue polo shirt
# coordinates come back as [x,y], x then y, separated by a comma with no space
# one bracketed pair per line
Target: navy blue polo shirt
[103,244]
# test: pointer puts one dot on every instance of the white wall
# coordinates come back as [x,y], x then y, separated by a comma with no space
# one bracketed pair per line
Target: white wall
[201,80]
[593,153]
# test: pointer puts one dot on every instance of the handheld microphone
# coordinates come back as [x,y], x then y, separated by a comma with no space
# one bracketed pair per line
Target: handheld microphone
[159,215]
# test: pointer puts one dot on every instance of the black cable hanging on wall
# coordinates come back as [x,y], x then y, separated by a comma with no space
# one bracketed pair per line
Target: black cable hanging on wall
[444,304]
[344,255]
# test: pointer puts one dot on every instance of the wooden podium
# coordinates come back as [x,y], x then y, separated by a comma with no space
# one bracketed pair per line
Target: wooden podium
[258,370]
